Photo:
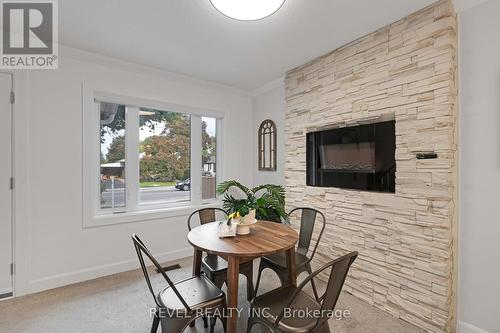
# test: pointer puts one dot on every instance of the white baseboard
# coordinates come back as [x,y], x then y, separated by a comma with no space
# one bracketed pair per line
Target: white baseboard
[5,291]
[464,327]
[64,279]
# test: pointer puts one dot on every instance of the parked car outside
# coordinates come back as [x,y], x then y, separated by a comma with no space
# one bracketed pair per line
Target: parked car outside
[183,185]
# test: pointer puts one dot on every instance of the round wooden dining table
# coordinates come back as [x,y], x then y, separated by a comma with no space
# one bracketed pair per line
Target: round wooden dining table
[265,238]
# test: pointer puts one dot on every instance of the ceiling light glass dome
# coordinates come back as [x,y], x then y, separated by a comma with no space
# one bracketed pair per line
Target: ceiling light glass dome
[247,10]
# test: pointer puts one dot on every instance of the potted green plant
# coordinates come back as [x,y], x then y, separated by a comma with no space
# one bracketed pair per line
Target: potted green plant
[266,201]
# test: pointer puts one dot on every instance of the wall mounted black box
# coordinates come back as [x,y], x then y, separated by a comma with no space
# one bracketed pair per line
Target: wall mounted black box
[359,157]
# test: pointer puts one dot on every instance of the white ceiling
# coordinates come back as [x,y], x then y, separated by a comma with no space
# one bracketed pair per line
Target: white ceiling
[190,37]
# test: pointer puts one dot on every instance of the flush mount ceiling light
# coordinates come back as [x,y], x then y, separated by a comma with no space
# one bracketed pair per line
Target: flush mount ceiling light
[247,10]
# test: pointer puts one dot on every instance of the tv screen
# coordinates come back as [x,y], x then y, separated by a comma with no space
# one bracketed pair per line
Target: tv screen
[359,157]
[348,156]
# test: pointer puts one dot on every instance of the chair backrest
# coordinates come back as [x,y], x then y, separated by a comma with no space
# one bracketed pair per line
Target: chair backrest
[141,249]
[206,215]
[308,219]
[338,274]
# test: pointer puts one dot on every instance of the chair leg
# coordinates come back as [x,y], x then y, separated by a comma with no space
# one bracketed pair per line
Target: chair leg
[249,275]
[261,268]
[283,276]
[250,291]
[219,280]
[213,319]
[156,322]
[224,323]
[250,324]
[315,291]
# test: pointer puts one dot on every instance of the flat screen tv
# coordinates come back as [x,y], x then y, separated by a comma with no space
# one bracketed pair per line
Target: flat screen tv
[358,157]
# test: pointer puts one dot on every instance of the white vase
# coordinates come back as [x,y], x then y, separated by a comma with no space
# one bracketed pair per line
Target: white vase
[246,221]
[249,218]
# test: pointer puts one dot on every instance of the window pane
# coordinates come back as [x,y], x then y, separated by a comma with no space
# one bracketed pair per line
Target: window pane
[209,157]
[164,155]
[112,180]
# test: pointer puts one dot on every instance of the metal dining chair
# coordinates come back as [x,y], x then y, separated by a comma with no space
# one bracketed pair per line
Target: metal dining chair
[277,261]
[269,308]
[181,303]
[214,267]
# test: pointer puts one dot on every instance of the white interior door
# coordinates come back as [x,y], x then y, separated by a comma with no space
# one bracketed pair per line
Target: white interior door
[5,186]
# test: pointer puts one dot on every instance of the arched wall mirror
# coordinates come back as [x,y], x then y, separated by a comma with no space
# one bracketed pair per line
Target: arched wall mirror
[267,146]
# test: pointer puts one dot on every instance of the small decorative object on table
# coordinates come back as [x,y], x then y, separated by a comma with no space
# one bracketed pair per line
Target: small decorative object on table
[228,228]
[245,223]
[237,224]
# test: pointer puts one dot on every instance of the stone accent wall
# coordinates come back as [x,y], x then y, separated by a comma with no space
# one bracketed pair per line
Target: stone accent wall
[406,70]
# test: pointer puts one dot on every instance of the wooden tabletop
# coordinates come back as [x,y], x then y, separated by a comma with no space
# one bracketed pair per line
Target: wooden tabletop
[264,238]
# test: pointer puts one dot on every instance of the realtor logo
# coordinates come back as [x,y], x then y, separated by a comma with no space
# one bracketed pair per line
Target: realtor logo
[29,34]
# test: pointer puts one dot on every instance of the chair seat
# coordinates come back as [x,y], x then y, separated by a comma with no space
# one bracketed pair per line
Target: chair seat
[198,292]
[214,263]
[273,302]
[217,264]
[279,259]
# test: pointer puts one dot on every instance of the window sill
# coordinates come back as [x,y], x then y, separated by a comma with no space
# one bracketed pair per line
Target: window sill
[146,215]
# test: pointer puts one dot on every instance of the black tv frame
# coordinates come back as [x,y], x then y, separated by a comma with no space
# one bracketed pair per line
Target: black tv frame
[380,178]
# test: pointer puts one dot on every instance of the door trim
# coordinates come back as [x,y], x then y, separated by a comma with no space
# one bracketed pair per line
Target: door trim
[12,235]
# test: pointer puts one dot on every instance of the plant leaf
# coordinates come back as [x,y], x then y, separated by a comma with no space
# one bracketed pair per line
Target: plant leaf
[267,199]
[225,186]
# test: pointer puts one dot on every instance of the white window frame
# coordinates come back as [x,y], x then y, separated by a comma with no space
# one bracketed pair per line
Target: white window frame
[93,215]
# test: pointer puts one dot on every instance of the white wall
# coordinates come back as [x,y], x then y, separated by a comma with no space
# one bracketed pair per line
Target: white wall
[479,257]
[270,104]
[56,249]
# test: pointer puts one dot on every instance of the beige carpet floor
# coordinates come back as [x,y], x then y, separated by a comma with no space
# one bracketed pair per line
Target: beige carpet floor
[121,302]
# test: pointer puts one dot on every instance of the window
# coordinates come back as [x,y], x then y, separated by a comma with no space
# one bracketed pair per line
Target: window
[112,179]
[153,158]
[164,157]
[267,146]
[209,157]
